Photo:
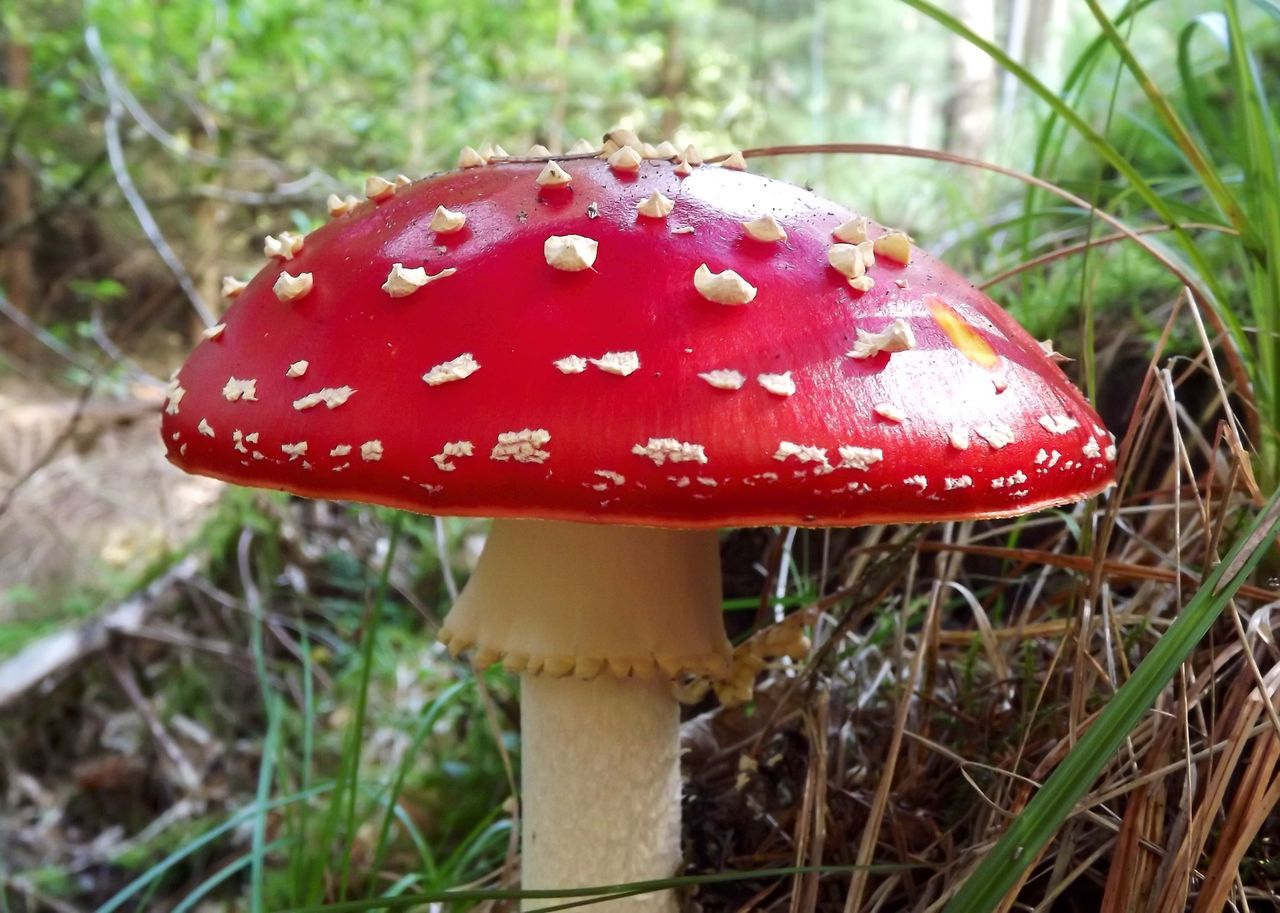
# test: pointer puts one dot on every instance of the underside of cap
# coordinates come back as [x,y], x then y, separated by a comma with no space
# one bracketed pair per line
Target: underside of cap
[567,599]
[583,350]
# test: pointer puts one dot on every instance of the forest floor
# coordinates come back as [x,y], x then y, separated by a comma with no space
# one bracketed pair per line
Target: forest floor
[87,499]
[941,690]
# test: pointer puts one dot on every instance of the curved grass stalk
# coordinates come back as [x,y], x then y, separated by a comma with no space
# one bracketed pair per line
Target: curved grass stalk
[1259,389]
[1070,250]
[1194,153]
[1229,329]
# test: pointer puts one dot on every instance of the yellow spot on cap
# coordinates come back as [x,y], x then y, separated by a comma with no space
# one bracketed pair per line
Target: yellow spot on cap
[963,334]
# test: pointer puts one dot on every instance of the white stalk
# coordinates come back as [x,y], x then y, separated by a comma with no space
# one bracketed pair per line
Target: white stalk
[601,787]
[599,619]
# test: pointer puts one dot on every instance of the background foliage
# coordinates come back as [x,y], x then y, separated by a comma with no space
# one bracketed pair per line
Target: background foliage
[279,729]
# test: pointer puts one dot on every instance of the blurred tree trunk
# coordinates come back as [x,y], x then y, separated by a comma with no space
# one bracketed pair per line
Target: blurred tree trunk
[1045,32]
[17,268]
[968,114]
[420,105]
[1035,33]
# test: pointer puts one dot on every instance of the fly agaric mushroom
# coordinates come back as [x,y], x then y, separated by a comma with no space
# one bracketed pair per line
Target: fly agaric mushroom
[613,380]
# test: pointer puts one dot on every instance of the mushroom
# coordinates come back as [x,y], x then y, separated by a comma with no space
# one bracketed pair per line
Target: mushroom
[582,377]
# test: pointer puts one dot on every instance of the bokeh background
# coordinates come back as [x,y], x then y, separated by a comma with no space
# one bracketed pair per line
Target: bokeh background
[149,147]
[220,700]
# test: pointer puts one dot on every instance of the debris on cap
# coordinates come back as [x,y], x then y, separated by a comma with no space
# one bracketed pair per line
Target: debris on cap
[851,231]
[621,363]
[765,228]
[665,150]
[445,221]
[778,384]
[724,379]
[626,159]
[329,397]
[340,206]
[724,287]
[895,245]
[402,282]
[284,246]
[290,288]
[454,369]
[571,364]
[571,253]
[847,260]
[896,337]
[623,136]
[378,188]
[470,158]
[655,206]
[552,175]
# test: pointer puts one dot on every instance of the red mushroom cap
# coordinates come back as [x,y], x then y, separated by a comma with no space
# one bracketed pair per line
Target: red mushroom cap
[454,369]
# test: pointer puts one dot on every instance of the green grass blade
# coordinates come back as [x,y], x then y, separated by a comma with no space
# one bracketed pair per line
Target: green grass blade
[226,873]
[1105,149]
[1032,830]
[342,804]
[266,773]
[1196,157]
[486,834]
[588,895]
[1270,7]
[351,762]
[1074,87]
[1088,275]
[300,820]
[191,847]
[1205,115]
[436,709]
[1261,186]
[271,702]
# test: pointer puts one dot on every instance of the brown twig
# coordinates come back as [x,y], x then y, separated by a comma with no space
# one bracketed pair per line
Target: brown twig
[56,653]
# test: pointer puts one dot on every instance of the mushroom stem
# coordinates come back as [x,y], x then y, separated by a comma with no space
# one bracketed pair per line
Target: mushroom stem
[599,619]
[600,777]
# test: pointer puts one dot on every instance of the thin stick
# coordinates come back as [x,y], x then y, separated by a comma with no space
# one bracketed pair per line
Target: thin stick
[1238,373]
[120,167]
